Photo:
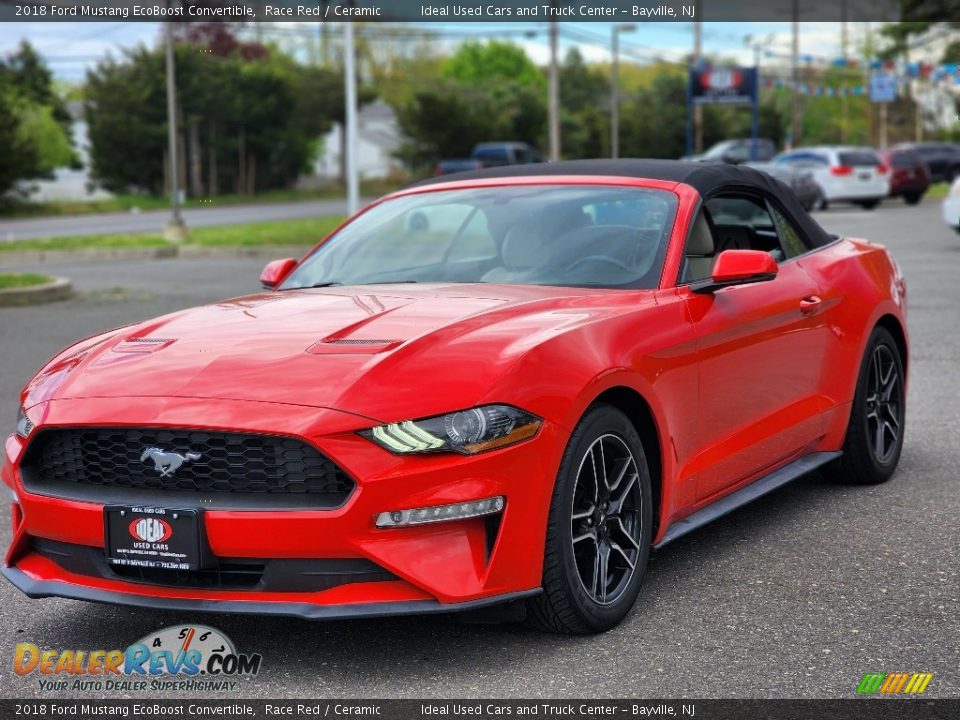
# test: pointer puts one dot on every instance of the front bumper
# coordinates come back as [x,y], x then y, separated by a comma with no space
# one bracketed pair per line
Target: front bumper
[442,567]
[36,588]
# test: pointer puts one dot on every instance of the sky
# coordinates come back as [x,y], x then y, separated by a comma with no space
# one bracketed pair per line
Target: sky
[71,48]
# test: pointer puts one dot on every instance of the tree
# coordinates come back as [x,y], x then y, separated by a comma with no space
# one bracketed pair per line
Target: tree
[480,64]
[34,123]
[250,117]
[484,92]
[584,107]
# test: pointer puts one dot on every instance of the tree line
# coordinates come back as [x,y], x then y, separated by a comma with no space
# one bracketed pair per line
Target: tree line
[252,115]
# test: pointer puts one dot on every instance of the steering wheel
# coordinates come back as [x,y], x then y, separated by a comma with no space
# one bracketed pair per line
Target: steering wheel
[599,258]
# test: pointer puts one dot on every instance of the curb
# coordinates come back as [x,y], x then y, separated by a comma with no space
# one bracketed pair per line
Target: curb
[29,257]
[32,257]
[59,289]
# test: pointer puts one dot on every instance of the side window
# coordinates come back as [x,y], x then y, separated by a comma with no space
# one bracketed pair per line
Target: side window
[743,222]
[790,238]
[739,210]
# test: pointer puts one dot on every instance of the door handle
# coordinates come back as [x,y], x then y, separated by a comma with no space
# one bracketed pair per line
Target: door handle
[811,304]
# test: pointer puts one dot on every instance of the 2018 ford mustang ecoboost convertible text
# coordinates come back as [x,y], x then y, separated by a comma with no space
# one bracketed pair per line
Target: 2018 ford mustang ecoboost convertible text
[507,385]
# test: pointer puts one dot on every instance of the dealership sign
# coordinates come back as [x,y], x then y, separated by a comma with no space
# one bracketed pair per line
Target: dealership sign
[723,85]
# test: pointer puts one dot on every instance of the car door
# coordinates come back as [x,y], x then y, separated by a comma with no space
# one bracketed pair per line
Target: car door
[759,352]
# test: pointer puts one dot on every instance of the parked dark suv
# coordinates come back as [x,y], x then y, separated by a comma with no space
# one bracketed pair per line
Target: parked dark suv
[909,175]
[942,159]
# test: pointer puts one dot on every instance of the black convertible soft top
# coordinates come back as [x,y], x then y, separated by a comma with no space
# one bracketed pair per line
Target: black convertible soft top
[706,178]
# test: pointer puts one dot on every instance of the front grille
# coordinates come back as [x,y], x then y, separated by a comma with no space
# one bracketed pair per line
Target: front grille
[192,467]
[226,576]
[269,575]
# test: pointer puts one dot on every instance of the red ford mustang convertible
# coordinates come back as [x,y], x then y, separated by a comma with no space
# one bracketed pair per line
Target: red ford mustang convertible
[507,386]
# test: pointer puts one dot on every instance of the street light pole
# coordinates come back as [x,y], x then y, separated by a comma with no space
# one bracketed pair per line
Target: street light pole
[176,230]
[697,57]
[615,88]
[795,76]
[553,105]
[350,126]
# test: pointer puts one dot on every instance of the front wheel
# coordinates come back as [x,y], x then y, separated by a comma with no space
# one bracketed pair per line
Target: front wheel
[598,534]
[874,439]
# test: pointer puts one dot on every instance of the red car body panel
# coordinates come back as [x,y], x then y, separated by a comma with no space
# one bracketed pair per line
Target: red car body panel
[738,383]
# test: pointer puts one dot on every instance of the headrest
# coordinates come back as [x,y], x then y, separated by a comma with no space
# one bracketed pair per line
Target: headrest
[701,238]
[733,237]
[524,245]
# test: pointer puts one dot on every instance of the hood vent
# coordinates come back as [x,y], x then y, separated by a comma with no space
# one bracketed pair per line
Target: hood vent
[359,341]
[356,346]
[142,345]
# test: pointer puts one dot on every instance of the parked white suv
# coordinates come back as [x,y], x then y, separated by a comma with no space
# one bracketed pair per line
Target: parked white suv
[844,173]
[951,206]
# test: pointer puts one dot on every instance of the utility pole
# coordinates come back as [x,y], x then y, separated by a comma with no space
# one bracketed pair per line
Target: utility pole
[176,230]
[844,101]
[553,105]
[350,126]
[615,88]
[697,56]
[795,77]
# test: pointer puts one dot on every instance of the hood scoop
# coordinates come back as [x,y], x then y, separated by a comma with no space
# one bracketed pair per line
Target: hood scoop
[335,345]
[142,345]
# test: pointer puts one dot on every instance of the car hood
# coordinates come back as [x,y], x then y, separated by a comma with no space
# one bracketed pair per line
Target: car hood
[423,348]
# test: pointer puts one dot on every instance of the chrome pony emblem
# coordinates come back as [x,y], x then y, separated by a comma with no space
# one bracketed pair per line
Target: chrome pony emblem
[167,462]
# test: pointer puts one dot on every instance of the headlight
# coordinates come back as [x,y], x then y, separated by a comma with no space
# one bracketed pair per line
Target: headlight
[24,424]
[466,431]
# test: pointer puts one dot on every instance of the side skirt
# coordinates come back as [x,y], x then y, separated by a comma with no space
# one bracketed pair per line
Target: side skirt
[758,488]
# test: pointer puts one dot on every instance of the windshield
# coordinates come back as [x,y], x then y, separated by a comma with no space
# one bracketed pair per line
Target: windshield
[582,236]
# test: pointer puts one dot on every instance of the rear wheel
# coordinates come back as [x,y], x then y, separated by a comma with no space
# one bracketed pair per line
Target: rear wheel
[874,439]
[912,198]
[598,535]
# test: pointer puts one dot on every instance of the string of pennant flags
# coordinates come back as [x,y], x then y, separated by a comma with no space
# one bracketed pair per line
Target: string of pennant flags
[823,90]
[906,70]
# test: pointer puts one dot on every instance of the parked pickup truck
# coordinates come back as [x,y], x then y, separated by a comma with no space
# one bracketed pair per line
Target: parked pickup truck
[491,154]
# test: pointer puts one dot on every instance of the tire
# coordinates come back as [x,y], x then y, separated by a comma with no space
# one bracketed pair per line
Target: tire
[821,203]
[862,462]
[582,528]
[868,204]
[912,198]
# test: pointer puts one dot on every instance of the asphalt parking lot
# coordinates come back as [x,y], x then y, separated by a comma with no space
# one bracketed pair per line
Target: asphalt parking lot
[797,595]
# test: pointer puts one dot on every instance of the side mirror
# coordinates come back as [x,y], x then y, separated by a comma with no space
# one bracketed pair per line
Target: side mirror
[274,273]
[738,267]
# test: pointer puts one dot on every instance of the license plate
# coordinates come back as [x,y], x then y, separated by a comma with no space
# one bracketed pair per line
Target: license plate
[865,176]
[152,537]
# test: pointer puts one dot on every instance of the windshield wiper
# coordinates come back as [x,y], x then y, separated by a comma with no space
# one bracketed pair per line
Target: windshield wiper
[326,284]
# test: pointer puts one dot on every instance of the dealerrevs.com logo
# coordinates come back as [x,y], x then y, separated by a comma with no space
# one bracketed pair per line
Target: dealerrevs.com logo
[194,658]
[898,683]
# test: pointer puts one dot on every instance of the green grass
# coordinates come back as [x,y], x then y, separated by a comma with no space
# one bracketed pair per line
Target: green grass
[125,203]
[938,191]
[81,242]
[283,232]
[20,280]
